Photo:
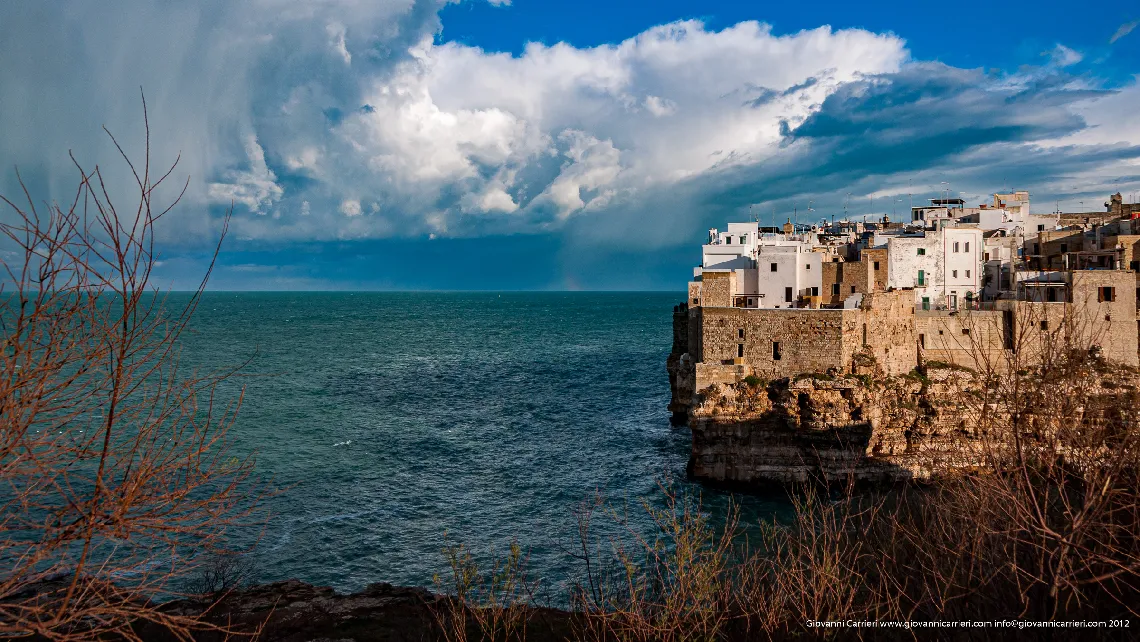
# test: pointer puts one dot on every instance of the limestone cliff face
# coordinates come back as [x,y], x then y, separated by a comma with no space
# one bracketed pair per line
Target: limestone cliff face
[679,365]
[795,430]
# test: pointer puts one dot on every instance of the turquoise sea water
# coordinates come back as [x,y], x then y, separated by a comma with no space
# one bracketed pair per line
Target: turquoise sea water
[392,419]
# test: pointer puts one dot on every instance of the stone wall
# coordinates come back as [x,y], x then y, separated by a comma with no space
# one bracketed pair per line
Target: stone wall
[870,256]
[694,293]
[851,277]
[774,343]
[1051,245]
[891,337]
[717,289]
[784,343]
[971,338]
[1112,325]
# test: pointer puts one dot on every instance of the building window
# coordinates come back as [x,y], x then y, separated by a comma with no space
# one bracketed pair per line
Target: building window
[954,274]
[740,350]
[743,240]
[925,303]
[967,274]
[966,331]
[922,251]
[740,333]
[953,301]
[955,247]
[775,351]
[967,246]
[1050,295]
[815,291]
[1105,295]
[835,289]
[1040,228]
[728,240]
[808,266]
[922,340]
[1044,324]
[876,265]
[922,277]
[773,267]
[750,302]
[853,289]
[987,256]
[788,295]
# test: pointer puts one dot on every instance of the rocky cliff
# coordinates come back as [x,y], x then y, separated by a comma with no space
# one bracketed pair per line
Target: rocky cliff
[860,426]
[832,428]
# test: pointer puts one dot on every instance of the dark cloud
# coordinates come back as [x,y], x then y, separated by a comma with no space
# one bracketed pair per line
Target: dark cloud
[909,130]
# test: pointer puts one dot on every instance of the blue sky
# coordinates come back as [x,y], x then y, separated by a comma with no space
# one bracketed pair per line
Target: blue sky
[424,144]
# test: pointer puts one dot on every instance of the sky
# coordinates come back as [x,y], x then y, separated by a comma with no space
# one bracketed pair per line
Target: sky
[556,145]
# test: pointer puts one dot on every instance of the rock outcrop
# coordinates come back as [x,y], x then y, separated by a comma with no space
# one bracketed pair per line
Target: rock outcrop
[293,611]
[867,428]
[834,429]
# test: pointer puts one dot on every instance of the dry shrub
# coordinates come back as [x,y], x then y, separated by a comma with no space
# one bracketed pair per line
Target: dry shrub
[114,465]
[493,605]
[674,584]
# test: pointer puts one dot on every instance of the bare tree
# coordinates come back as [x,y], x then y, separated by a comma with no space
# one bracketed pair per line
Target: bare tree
[115,476]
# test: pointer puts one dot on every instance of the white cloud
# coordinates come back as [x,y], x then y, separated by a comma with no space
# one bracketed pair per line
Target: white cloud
[1122,31]
[254,188]
[1063,56]
[336,33]
[594,165]
[455,116]
[350,207]
[306,159]
[493,199]
[660,106]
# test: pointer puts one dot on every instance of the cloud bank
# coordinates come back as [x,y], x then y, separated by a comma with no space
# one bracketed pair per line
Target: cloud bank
[346,121]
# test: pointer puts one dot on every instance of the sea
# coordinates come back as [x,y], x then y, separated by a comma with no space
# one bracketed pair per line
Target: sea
[393,425]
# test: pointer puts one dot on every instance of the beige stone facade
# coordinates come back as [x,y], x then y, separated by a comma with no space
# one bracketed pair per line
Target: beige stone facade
[886,335]
[841,279]
[782,343]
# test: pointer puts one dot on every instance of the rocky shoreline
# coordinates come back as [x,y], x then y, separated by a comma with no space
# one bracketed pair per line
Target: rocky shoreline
[294,611]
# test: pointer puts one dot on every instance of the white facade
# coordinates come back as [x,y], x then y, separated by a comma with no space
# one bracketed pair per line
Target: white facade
[751,255]
[944,267]
[785,272]
[999,255]
[730,250]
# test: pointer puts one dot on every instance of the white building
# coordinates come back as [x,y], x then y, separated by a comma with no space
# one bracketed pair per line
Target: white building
[945,266]
[787,271]
[730,250]
[771,270]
